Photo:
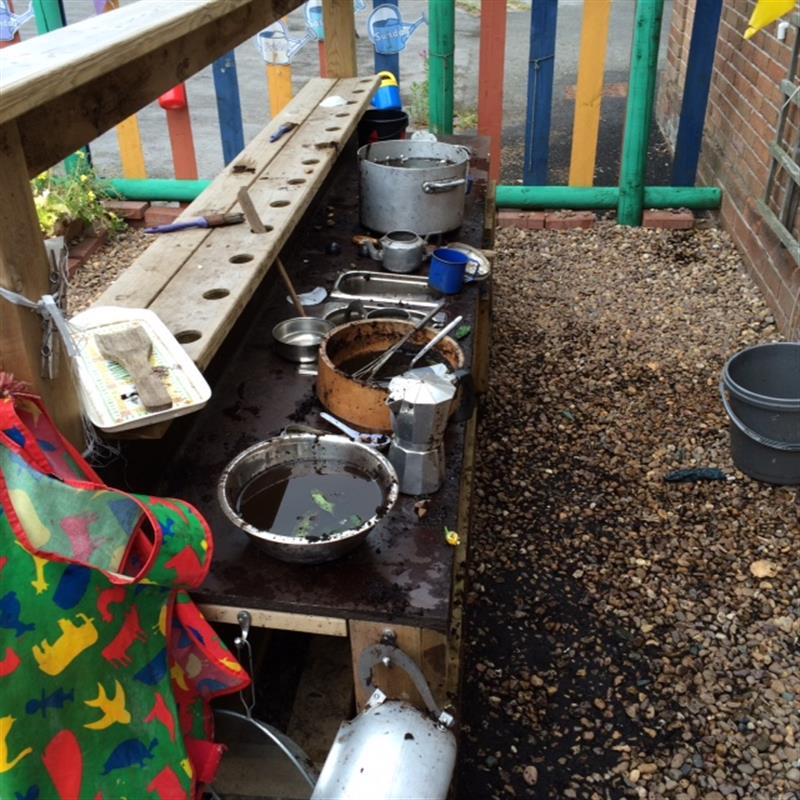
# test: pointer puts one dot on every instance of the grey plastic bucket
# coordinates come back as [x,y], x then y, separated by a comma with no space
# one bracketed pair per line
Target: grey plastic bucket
[764,409]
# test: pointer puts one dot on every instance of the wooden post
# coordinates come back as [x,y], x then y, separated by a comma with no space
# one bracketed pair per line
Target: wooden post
[490,81]
[441,76]
[428,648]
[181,139]
[340,38]
[391,62]
[695,92]
[50,16]
[279,87]
[323,59]
[25,269]
[541,67]
[129,140]
[641,92]
[229,106]
[589,91]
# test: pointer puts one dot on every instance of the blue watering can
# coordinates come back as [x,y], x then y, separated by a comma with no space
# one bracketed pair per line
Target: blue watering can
[312,11]
[10,23]
[387,31]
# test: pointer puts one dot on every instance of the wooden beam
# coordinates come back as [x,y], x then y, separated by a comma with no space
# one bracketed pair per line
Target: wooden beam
[98,72]
[280,620]
[589,91]
[25,269]
[490,80]
[340,38]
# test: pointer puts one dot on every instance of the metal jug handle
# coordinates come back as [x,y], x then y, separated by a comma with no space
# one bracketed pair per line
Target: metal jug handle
[391,656]
[466,382]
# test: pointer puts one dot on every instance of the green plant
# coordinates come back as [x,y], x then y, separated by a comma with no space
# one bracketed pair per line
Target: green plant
[61,200]
[418,107]
[467,119]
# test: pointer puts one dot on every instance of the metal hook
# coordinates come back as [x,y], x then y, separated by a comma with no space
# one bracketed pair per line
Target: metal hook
[248,694]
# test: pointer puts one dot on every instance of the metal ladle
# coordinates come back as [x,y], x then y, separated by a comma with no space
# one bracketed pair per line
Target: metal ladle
[436,339]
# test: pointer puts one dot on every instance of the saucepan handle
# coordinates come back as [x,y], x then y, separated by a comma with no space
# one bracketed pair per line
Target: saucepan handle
[447,185]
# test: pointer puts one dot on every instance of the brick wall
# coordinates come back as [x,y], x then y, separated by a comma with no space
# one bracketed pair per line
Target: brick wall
[741,121]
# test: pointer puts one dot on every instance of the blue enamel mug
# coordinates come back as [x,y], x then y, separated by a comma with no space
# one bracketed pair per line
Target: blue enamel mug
[448,272]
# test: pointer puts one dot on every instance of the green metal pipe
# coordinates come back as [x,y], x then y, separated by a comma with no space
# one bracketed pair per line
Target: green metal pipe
[641,91]
[603,197]
[156,189]
[441,47]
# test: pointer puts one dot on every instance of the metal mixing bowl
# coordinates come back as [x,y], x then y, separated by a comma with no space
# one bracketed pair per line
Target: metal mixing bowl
[297,339]
[328,451]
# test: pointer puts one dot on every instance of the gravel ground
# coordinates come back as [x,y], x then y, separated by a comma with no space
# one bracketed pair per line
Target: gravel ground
[97,272]
[619,642]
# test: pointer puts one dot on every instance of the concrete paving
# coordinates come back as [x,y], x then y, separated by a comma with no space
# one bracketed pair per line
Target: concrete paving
[255,102]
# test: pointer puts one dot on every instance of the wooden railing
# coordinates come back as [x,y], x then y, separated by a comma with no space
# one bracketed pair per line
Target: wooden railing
[61,90]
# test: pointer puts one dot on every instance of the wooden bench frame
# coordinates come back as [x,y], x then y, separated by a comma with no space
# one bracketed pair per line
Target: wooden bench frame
[59,91]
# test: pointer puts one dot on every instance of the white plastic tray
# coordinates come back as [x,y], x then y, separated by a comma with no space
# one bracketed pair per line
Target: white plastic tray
[107,392]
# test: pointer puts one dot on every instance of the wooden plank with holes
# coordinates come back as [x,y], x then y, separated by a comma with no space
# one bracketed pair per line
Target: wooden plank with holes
[280,620]
[141,283]
[207,294]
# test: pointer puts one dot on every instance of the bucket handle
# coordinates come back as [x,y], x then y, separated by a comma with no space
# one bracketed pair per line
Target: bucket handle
[774,444]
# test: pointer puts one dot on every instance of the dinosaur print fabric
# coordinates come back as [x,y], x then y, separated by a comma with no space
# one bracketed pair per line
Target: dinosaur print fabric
[106,665]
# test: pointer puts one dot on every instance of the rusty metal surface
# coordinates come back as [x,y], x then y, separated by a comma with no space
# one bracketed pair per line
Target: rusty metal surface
[403,572]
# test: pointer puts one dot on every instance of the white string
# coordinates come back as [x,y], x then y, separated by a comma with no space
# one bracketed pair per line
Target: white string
[97,451]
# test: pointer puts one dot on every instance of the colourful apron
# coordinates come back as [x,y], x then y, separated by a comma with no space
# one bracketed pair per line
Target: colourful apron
[106,671]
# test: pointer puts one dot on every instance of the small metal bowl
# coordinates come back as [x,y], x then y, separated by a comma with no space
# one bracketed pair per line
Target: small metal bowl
[297,339]
[330,451]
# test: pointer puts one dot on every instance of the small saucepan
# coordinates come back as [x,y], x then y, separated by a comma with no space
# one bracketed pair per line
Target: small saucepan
[298,339]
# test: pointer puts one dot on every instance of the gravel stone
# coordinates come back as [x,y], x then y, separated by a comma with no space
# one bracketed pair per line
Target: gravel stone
[97,272]
[607,346]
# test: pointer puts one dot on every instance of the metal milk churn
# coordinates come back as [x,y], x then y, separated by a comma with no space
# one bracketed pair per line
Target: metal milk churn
[391,750]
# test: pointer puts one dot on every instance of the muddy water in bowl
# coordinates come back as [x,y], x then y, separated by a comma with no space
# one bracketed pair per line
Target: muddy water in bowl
[303,500]
[399,363]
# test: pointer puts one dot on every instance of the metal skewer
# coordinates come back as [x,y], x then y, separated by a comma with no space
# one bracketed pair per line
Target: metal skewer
[368,370]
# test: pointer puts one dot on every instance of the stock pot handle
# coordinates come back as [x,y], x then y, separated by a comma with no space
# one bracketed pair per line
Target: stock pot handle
[435,187]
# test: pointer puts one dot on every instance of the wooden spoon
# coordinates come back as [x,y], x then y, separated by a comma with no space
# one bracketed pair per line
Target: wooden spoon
[131,349]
